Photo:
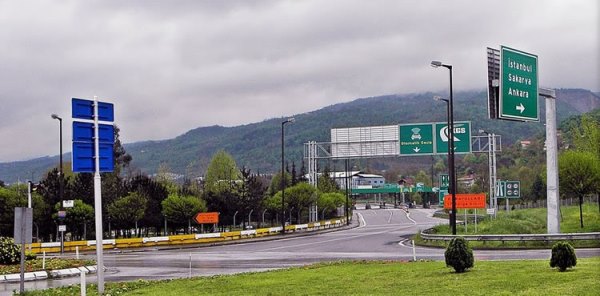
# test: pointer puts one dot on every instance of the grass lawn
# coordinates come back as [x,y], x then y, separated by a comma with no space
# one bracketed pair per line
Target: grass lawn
[524,277]
[526,221]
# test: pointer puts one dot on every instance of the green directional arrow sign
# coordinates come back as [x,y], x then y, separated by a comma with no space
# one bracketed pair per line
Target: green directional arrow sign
[462,137]
[518,85]
[416,139]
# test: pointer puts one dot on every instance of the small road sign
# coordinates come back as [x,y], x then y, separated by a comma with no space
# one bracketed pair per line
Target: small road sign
[513,189]
[69,203]
[466,201]
[518,85]
[62,228]
[207,218]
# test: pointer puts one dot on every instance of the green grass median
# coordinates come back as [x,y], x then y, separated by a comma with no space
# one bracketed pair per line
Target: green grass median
[523,277]
[524,221]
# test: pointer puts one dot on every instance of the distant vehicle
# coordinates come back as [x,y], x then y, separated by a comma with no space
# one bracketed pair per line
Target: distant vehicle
[249,227]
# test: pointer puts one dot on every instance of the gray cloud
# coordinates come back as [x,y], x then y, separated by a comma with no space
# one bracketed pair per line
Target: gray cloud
[170,66]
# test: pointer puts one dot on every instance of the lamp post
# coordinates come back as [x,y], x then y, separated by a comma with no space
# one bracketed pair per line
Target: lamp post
[282,173]
[452,176]
[60,174]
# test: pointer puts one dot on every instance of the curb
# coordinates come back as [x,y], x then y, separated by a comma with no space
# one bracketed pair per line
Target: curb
[42,275]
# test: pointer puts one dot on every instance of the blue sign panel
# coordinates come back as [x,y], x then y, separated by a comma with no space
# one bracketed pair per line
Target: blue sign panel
[84,132]
[84,109]
[83,157]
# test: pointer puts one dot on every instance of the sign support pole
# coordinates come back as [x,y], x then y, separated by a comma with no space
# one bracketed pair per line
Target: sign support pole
[98,203]
[551,161]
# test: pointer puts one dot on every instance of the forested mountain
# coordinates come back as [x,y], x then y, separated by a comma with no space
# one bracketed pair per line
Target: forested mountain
[257,145]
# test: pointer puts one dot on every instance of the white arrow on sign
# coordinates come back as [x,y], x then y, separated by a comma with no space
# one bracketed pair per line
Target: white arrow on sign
[520,108]
[416,149]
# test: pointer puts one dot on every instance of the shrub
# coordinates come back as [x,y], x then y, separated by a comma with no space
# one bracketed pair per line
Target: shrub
[563,256]
[10,253]
[30,255]
[459,255]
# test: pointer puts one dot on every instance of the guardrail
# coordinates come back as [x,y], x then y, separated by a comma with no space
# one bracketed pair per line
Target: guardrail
[515,237]
[71,246]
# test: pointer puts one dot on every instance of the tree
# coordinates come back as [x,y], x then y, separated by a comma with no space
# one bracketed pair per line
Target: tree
[587,136]
[327,184]
[330,201]
[579,174]
[251,193]
[155,193]
[126,211]
[300,197]
[82,187]
[181,209]
[222,172]
[276,183]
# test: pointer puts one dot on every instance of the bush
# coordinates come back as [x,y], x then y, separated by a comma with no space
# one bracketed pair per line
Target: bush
[10,253]
[563,256]
[459,255]
[30,255]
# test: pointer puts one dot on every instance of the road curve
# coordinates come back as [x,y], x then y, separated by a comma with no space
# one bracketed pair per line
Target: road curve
[379,234]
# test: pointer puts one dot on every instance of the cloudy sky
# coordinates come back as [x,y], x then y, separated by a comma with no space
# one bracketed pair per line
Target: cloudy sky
[170,66]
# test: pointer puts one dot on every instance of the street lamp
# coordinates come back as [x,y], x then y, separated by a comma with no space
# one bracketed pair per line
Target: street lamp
[291,119]
[60,173]
[452,176]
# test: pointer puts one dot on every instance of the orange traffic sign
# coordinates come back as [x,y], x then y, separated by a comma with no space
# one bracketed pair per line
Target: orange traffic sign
[207,218]
[465,201]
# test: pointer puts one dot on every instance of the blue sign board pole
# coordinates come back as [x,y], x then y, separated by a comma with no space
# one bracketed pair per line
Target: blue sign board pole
[93,152]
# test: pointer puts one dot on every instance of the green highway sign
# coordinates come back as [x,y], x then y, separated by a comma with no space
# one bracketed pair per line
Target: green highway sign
[518,85]
[416,139]
[462,137]
[513,189]
[508,189]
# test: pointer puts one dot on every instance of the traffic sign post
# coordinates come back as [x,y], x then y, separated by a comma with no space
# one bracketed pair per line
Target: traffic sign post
[93,152]
[518,85]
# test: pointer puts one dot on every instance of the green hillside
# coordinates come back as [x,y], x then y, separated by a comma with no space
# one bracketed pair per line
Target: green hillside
[258,145]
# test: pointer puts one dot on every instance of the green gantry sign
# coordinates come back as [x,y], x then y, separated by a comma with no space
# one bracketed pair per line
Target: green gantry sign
[462,137]
[416,139]
[518,85]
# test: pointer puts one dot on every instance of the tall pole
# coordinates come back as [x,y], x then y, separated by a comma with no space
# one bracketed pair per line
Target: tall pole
[452,188]
[60,175]
[283,174]
[98,204]
[282,179]
[552,190]
[347,187]
[452,169]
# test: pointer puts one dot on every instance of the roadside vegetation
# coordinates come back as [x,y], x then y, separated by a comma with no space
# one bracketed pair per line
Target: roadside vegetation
[523,221]
[524,277]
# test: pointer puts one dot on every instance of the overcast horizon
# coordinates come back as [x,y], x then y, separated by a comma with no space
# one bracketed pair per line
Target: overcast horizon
[172,66]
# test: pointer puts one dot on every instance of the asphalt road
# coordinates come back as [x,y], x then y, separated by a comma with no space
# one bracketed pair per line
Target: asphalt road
[379,234]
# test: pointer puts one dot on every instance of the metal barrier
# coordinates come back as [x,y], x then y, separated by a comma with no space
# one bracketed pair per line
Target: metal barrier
[71,246]
[515,237]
